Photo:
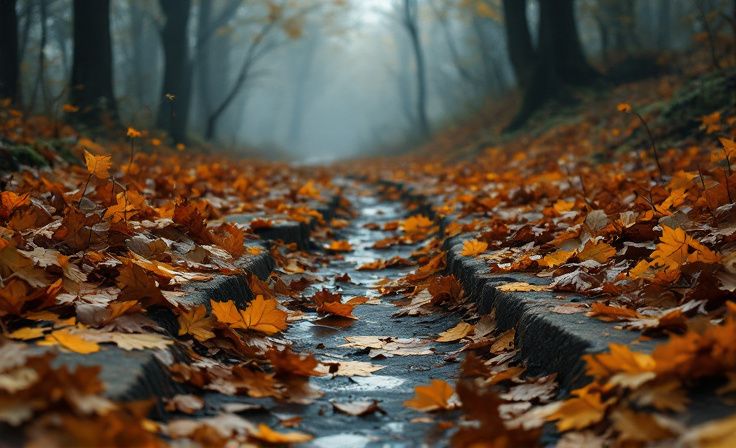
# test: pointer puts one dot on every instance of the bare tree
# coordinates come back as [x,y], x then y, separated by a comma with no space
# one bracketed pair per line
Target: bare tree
[410,21]
[261,44]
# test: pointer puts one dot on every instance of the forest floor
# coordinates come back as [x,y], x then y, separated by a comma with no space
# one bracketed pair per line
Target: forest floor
[569,284]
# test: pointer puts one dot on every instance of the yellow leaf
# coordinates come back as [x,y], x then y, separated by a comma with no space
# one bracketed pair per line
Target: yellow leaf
[416,223]
[611,313]
[505,342]
[268,435]
[71,342]
[621,366]
[672,250]
[472,248]
[432,397]
[98,166]
[227,313]
[195,322]
[522,287]
[133,133]
[27,333]
[579,412]
[711,123]
[562,206]
[456,333]
[599,252]
[556,258]
[729,148]
[339,246]
[674,247]
[309,190]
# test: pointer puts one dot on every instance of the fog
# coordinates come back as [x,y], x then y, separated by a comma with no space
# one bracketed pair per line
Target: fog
[315,80]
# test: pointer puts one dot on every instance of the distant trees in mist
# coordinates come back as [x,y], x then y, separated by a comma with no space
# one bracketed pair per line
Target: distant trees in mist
[185,66]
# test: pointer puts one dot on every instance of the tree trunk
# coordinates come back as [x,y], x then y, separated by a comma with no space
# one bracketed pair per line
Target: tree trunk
[411,22]
[174,112]
[40,83]
[519,41]
[304,70]
[91,81]
[664,24]
[204,60]
[9,63]
[559,59]
[568,57]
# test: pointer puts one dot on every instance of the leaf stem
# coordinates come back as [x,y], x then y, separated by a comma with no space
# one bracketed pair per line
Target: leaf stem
[651,142]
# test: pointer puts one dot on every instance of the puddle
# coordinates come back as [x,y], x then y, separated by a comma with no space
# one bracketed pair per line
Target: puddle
[375,382]
[395,427]
[342,441]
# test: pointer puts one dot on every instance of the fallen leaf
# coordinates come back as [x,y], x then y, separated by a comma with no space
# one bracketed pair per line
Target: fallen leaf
[98,166]
[358,408]
[195,322]
[473,248]
[186,403]
[70,342]
[432,397]
[456,333]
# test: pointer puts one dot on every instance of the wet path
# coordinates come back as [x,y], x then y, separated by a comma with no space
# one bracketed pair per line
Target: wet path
[395,382]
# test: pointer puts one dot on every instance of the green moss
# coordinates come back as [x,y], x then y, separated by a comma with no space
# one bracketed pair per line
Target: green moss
[25,155]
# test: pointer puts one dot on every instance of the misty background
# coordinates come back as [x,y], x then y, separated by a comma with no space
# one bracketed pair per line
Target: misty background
[316,80]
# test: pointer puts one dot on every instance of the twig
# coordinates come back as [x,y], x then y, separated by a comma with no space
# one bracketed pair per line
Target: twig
[651,142]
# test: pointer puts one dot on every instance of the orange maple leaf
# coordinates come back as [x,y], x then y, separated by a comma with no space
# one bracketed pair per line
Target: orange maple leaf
[432,397]
[261,315]
[331,303]
[674,247]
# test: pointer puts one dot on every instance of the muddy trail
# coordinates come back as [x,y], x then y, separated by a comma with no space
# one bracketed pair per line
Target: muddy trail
[395,374]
